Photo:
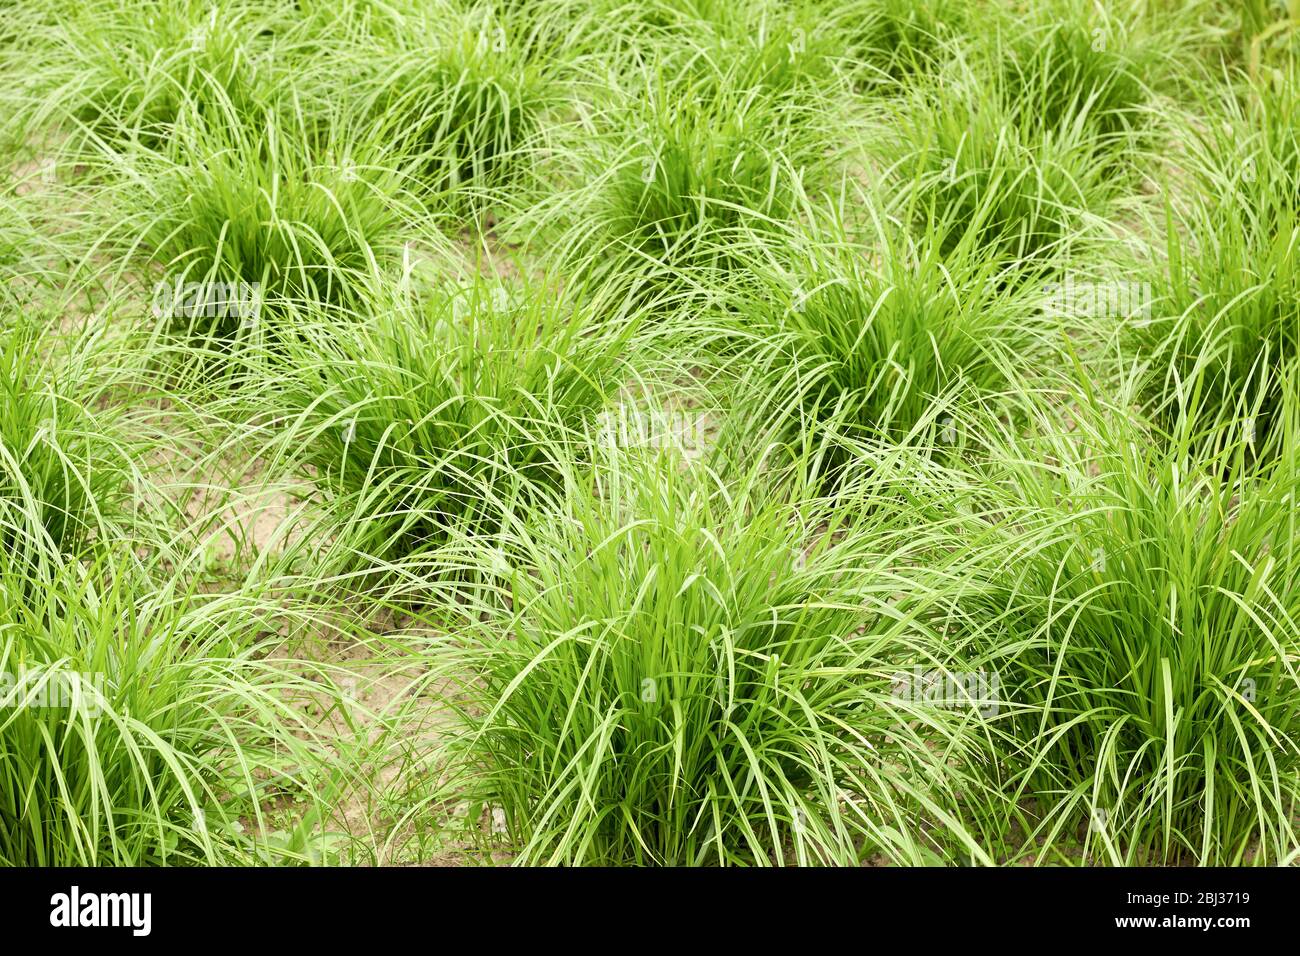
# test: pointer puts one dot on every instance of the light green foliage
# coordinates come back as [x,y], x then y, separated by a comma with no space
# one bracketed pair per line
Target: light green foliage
[670,432]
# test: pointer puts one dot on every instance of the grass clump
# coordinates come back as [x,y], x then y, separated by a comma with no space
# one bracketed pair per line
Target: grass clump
[131,75]
[692,175]
[257,207]
[891,40]
[447,409]
[140,728]
[1226,297]
[1069,65]
[1144,603]
[885,333]
[63,475]
[681,672]
[460,112]
[970,168]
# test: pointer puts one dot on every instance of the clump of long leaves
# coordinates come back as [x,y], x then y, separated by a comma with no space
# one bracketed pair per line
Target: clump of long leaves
[674,670]
[1143,603]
